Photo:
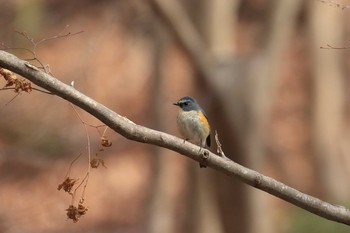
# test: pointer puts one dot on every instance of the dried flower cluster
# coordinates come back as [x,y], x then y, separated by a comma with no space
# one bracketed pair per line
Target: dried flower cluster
[96,162]
[19,84]
[67,185]
[105,142]
[75,213]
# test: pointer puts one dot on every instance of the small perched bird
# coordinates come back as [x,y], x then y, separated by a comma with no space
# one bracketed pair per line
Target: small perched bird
[193,123]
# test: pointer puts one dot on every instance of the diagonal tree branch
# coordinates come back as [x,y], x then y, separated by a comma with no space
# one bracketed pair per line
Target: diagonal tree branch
[142,134]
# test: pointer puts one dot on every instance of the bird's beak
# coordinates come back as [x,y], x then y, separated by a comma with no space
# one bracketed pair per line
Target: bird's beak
[177,104]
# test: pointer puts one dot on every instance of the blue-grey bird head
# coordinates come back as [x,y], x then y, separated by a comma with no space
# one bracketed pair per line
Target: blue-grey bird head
[188,104]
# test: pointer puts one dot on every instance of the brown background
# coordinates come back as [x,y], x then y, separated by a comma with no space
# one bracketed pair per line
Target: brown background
[281,109]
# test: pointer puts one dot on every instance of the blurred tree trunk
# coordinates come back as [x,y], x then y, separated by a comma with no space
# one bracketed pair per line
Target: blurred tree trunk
[263,85]
[260,88]
[327,27]
[202,205]
[160,214]
[218,26]
[220,19]
[216,23]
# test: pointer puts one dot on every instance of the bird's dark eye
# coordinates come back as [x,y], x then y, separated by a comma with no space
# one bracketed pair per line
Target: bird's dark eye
[185,104]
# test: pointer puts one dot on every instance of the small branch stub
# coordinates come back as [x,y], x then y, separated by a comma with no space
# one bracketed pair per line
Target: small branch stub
[219,146]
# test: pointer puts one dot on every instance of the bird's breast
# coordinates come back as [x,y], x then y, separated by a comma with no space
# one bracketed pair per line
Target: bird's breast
[193,125]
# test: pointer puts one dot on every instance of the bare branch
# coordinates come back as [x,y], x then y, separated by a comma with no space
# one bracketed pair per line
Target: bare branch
[135,132]
[35,43]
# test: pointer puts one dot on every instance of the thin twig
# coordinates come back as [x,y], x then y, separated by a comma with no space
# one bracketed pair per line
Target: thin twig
[86,179]
[12,99]
[87,136]
[71,164]
[328,46]
[36,43]
[43,40]
[33,88]
[219,146]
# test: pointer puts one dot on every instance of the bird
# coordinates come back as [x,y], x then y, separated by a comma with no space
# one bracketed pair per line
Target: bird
[193,123]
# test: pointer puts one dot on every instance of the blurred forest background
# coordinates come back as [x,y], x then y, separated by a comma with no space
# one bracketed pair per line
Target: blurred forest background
[279,102]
